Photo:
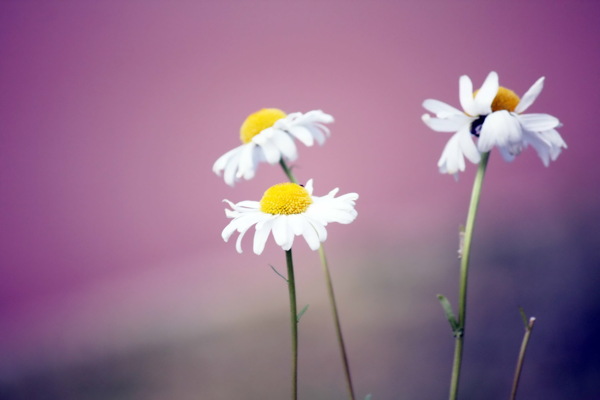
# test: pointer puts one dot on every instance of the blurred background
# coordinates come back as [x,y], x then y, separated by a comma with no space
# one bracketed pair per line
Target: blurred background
[116,284]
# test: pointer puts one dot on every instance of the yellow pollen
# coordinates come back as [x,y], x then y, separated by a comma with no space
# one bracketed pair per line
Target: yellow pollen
[505,99]
[285,198]
[259,121]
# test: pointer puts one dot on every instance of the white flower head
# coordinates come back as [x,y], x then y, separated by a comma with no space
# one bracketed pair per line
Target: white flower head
[268,136]
[289,210]
[494,115]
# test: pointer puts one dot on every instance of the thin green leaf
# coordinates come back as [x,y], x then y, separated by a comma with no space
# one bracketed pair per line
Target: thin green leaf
[301,313]
[449,314]
[277,272]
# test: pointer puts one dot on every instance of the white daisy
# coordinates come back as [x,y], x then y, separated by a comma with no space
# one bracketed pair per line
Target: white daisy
[494,115]
[450,119]
[289,210]
[267,136]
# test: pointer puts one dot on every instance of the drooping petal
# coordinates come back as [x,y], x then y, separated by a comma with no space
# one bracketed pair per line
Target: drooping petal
[270,151]
[238,242]
[548,144]
[228,163]
[261,235]
[281,231]
[538,122]
[286,145]
[506,154]
[530,96]
[311,237]
[467,145]
[452,160]
[246,163]
[222,161]
[296,223]
[232,166]
[501,129]
[302,134]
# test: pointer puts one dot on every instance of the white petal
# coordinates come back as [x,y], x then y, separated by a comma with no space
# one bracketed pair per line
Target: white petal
[500,128]
[270,151]
[319,132]
[538,122]
[260,236]
[302,134]
[228,163]
[452,160]
[309,186]
[506,154]
[222,161]
[281,232]
[440,109]
[548,144]
[238,242]
[286,145]
[451,124]
[319,116]
[246,164]
[465,93]
[530,96]
[467,146]
[311,237]
[228,230]
[485,95]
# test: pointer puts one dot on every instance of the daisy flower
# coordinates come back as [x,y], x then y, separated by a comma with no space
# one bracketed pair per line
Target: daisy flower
[494,115]
[267,136]
[289,210]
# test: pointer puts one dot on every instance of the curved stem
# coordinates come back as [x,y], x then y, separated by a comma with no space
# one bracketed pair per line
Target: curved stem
[336,318]
[464,269]
[294,321]
[329,283]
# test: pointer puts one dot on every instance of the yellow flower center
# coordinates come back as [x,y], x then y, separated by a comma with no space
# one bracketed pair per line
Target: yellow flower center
[505,99]
[259,121]
[285,198]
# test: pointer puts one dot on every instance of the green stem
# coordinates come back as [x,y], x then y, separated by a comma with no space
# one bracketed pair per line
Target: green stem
[288,171]
[336,318]
[329,283]
[464,269]
[521,359]
[294,321]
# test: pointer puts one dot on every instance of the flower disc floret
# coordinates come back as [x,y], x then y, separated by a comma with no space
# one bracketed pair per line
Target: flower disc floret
[259,121]
[285,199]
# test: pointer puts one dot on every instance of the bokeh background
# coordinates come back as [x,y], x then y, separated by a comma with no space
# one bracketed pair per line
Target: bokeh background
[115,283]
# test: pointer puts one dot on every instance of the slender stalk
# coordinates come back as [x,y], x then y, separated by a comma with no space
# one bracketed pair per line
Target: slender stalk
[464,269]
[288,171]
[329,283]
[521,359]
[336,318]
[294,321]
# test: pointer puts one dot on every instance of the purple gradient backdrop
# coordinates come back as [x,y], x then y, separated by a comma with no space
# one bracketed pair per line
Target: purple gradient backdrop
[116,284]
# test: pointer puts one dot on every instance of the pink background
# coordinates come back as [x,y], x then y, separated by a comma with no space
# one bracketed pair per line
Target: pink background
[115,282]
